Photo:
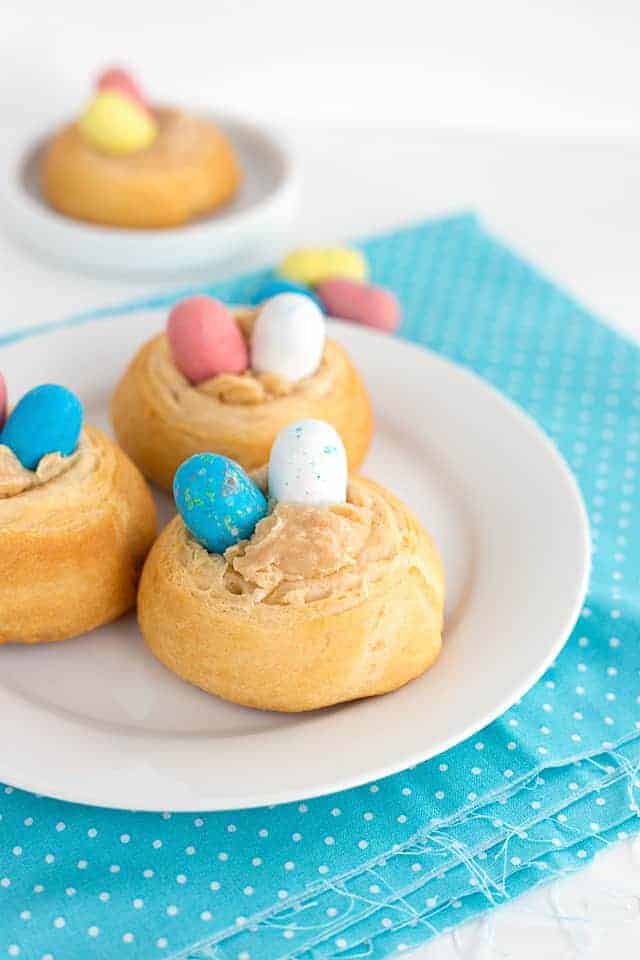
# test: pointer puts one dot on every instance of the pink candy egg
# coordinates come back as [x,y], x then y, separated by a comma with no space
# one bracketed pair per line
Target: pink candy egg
[3,401]
[115,78]
[360,302]
[205,339]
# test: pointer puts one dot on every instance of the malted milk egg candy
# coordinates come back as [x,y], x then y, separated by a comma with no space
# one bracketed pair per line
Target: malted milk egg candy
[205,339]
[3,401]
[116,78]
[360,302]
[218,502]
[115,124]
[308,465]
[288,337]
[48,419]
[312,265]
[274,285]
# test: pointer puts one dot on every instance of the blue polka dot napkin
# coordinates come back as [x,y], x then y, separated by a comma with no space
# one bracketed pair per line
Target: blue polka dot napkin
[377,870]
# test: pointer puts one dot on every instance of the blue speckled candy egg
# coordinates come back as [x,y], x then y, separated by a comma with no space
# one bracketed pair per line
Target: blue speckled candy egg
[218,502]
[272,286]
[48,419]
[308,465]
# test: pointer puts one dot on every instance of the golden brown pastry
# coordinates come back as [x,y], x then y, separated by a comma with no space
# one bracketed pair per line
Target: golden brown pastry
[74,533]
[189,169]
[161,418]
[323,604]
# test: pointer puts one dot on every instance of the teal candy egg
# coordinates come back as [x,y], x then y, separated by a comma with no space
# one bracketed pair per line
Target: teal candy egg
[272,286]
[48,419]
[217,501]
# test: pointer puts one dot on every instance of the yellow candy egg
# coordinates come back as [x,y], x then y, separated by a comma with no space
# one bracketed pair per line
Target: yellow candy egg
[312,265]
[115,124]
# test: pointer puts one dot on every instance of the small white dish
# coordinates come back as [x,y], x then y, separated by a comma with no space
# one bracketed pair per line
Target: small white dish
[98,720]
[248,227]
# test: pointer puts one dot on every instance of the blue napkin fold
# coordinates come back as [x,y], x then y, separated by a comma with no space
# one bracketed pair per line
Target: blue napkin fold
[379,869]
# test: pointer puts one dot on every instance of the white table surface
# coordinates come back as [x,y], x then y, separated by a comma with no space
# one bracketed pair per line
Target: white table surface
[573,207]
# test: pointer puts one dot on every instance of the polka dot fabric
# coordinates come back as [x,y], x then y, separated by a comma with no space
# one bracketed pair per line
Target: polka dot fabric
[377,870]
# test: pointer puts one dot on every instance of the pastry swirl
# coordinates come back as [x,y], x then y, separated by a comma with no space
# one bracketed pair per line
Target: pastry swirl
[189,170]
[161,419]
[72,541]
[322,605]
[15,479]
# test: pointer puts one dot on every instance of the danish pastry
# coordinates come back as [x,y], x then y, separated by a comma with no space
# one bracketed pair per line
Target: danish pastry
[74,532]
[125,164]
[238,380]
[322,603]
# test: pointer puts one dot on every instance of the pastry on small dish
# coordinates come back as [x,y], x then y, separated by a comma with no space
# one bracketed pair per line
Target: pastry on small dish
[323,593]
[228,382]
[126,164]
[76,522]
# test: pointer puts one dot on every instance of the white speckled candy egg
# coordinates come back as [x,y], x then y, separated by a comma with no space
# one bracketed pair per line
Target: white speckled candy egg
[288,337]
[308,465]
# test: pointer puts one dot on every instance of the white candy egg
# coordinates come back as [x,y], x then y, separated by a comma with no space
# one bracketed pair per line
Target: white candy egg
[308,465]
[288,337]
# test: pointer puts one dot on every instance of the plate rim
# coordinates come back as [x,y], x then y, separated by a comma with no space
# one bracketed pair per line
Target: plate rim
[405,760]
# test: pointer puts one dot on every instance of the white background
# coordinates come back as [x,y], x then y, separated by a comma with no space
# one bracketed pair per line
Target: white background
[550,66]
[529,112]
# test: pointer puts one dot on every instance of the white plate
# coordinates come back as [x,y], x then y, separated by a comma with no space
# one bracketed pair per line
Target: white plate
[98,720]
[249,226]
